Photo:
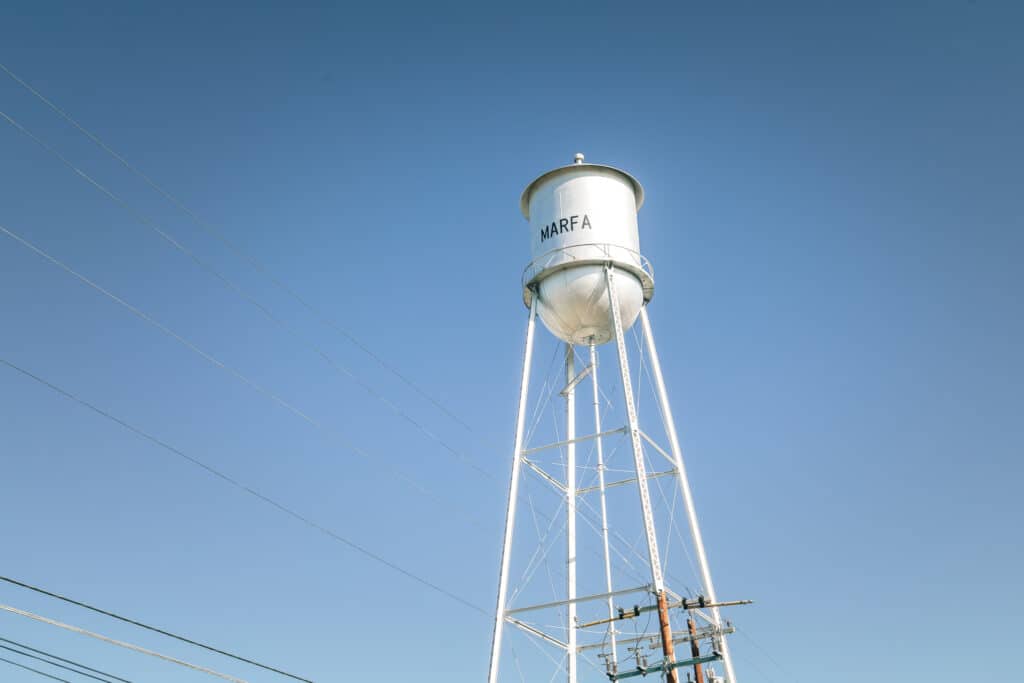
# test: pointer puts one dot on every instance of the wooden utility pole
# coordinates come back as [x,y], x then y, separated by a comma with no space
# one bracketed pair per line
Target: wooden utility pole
[698,672]
[667,648]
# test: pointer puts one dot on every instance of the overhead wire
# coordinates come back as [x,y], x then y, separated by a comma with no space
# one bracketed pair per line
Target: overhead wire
[231,285]
[59,666]
[35,671]
[234,287]
[215,361]
[257,265]
[154,629]
[237,374]
[237,250]
[757,667]
[746,634]
[121,643]
[246,380]
[146,220]
[248,490]
[23,646]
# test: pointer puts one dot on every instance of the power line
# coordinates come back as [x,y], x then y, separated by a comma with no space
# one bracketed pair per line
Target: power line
[201,464]
[154,629]
[62,659]
[231,285]
[121,643]
[59,666]
[237,374]
[252,492]
[35,671]
[789,675]
[242,254]
[241,377]
[238,251]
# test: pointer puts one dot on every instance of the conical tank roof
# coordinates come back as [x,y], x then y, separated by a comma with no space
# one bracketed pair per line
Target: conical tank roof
[524,200]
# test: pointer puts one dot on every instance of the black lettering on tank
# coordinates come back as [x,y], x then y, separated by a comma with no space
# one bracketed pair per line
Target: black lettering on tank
[563,225]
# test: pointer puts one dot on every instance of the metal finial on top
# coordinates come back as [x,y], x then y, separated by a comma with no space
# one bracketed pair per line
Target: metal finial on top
[578,159]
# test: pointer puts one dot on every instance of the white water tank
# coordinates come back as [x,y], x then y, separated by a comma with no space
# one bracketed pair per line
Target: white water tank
[582,218]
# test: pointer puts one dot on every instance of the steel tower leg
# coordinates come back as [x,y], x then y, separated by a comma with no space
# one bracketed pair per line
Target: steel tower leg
[513,494]
[570,508]
[684,485]
[641,477]
[604,508]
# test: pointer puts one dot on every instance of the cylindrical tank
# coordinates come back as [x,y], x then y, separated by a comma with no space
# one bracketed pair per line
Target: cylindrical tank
[582,218]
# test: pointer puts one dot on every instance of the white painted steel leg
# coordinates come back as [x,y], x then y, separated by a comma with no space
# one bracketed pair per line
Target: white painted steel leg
[604,507]
[513,494]
[657,576]
[570,508]
[684,485]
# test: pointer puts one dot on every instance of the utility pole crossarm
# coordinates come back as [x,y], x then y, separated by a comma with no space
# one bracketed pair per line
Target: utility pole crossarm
[668,668]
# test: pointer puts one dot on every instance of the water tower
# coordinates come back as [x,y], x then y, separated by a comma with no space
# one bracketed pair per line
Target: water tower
[589,284]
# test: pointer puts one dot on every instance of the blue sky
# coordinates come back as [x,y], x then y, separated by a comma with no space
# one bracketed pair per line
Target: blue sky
[834,217]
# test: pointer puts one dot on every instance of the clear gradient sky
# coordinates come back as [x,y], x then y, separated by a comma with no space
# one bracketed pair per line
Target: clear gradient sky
[834,212]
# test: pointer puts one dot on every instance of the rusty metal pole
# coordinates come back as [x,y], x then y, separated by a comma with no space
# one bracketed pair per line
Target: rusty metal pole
[667,648]
[698,672]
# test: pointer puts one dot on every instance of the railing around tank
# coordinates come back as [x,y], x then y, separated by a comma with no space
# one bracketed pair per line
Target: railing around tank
[588,254]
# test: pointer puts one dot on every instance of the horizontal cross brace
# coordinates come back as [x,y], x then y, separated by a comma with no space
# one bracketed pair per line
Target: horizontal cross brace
[623,482]
[585,598]
[559,444]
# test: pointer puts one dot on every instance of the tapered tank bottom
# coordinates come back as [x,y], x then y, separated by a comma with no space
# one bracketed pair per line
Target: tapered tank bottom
[574,303]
